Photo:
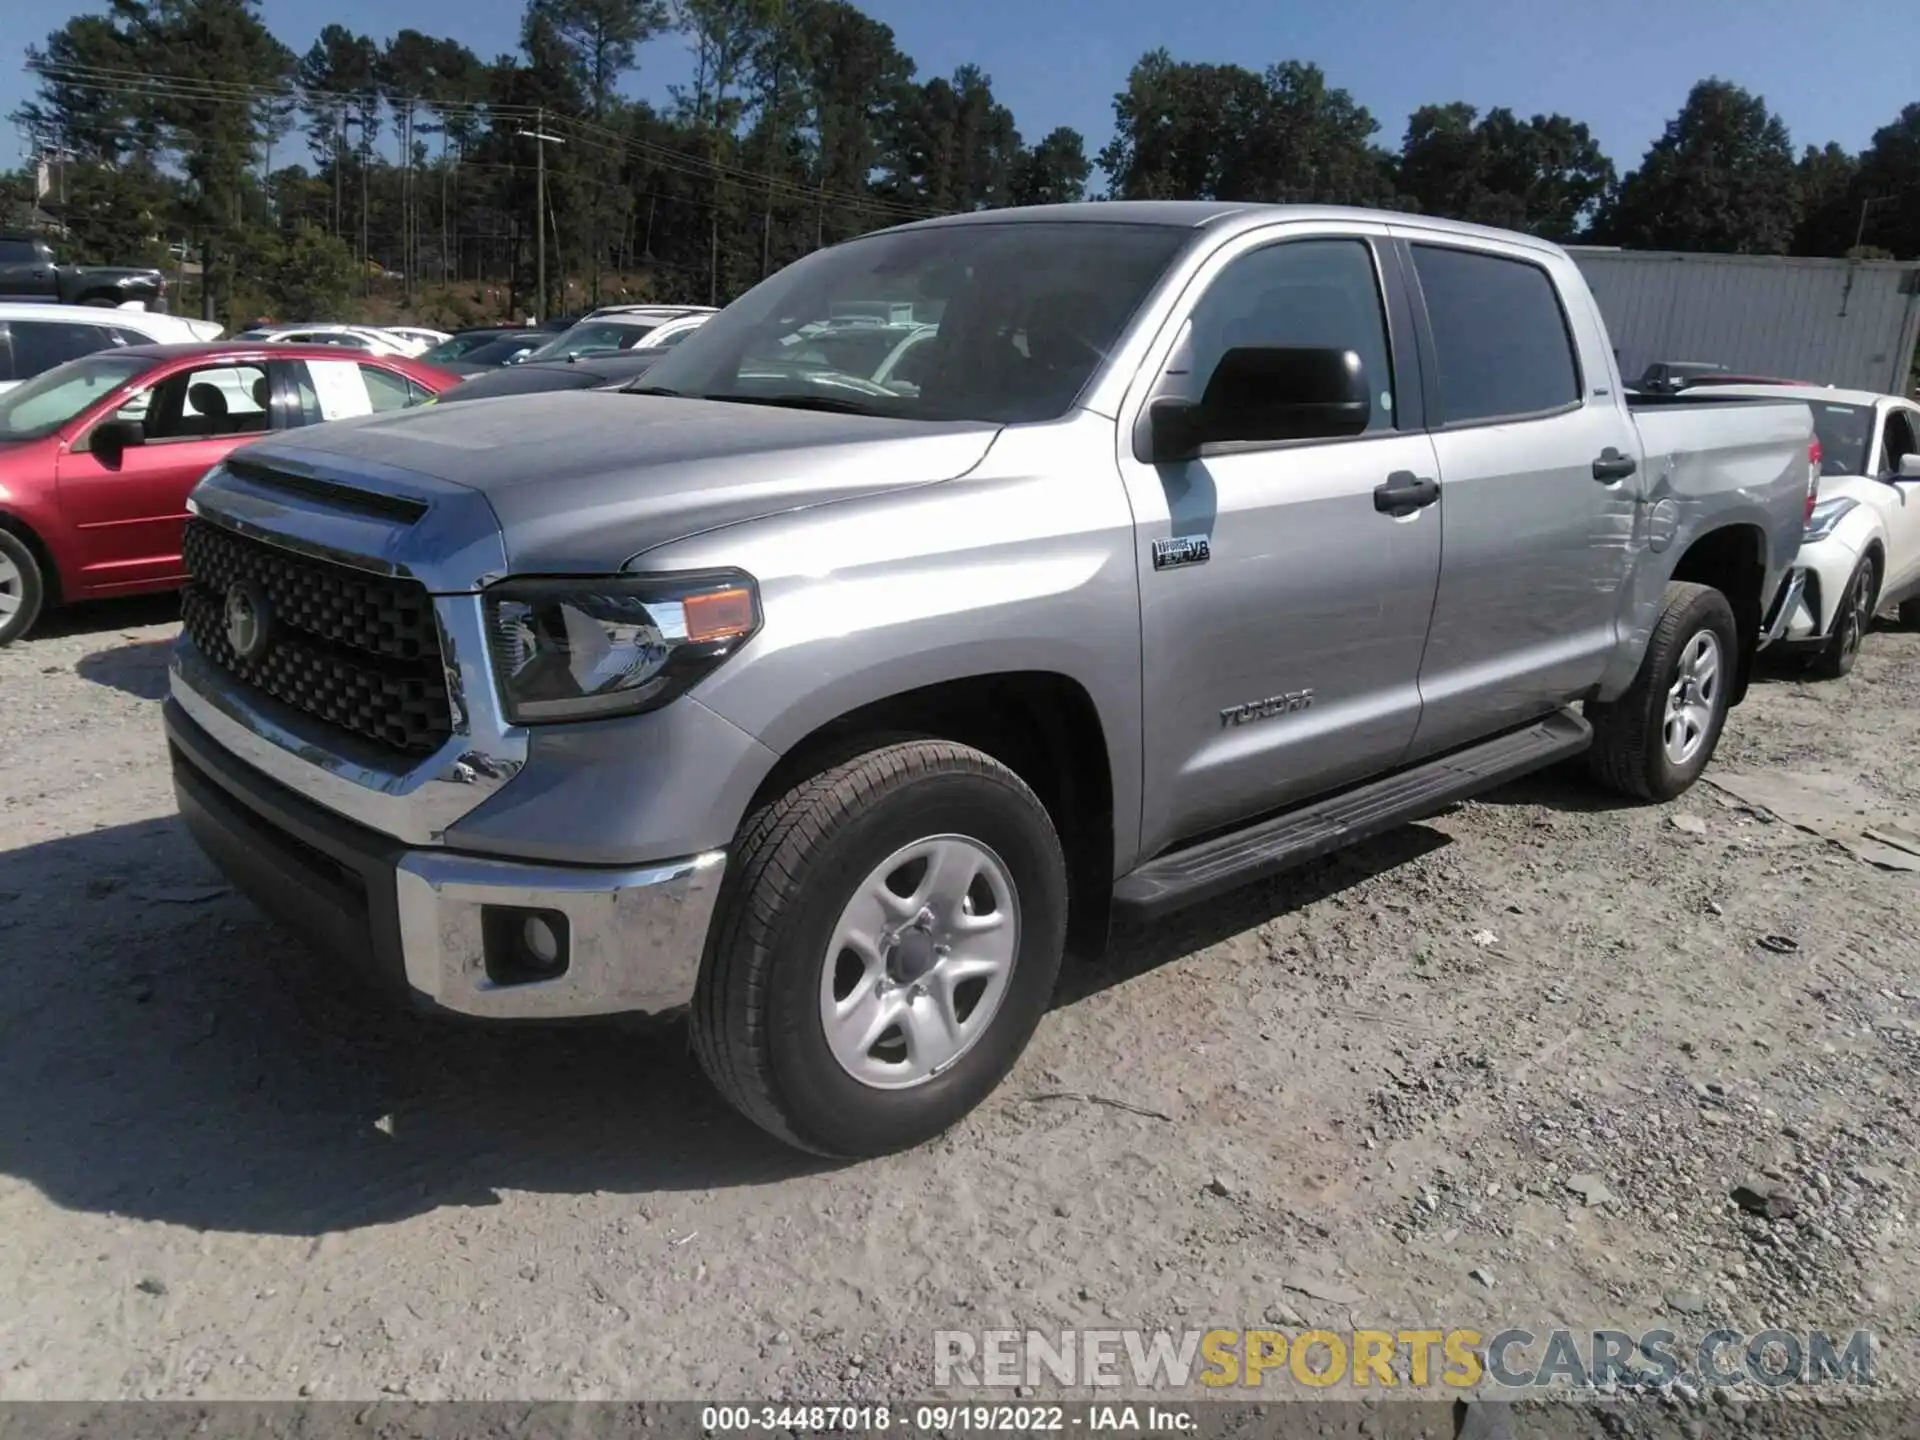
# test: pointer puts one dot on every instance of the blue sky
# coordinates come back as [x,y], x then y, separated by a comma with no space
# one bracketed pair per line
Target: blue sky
[1624,68]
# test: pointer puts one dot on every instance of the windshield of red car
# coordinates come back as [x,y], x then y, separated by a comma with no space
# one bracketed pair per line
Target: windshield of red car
[52,398]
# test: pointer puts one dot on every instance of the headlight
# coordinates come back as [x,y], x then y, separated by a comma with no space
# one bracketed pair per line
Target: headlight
[582,649]
[1826,515]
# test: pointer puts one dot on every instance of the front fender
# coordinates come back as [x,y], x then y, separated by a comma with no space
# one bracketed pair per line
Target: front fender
[1830,563]
[1025,565]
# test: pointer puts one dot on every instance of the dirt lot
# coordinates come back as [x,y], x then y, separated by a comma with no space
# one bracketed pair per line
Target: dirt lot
[1504,1067]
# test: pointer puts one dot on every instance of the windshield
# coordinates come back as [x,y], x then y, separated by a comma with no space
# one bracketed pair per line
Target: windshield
[1846,432]
[592,337]
[51,399]
[1003,322]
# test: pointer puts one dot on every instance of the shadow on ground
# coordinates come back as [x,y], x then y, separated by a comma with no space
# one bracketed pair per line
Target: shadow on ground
[138,668]
[167,1054]
[97,617]
[188,1062]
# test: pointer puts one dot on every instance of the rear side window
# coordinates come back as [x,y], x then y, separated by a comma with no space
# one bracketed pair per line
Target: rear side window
[388,391]
[42,344]
[15,251]
[1499,335]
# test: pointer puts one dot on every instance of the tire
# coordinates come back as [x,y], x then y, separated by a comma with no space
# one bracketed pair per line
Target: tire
[23,588]
[1910,614]
[1630,752]
[1852,619]
[803,875]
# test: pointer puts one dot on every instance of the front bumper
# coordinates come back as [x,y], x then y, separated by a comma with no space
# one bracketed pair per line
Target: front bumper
[417,919]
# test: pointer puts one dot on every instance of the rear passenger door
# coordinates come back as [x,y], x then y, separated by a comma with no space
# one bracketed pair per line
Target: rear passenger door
[1282,608]
[323,390]
[1536,516]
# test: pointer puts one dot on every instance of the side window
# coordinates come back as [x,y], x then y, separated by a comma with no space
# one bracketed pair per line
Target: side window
[385,390]
[42,344]
[203,404]
[1499,335]
[1301,294]
[1901,439]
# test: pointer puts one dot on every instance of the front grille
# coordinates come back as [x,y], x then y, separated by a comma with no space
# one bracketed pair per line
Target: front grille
[356,650]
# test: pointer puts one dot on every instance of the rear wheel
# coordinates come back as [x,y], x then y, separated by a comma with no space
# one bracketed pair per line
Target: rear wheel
[23,589]
[887,939]
[1852,618]
[1654,741]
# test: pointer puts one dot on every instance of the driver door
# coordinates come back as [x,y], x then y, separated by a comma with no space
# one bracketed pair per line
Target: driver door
[130,511]
[1283,604]
[1899,437]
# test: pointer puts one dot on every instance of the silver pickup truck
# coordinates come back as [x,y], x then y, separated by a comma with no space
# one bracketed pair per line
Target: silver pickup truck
[1195,540]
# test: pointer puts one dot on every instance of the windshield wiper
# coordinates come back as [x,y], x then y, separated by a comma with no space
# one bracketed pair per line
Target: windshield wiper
[831,403]
[649,390]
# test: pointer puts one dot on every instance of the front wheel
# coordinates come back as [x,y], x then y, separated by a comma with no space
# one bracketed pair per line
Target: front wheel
[1852,618]
[23,589]
[1653,742]
[887,939]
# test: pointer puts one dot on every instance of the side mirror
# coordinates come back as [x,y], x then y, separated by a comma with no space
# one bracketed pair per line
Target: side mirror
[1909,468]
[111,439]
[1270,394]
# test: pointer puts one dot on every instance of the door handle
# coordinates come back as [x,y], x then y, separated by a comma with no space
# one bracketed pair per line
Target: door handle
[1404,492]
[1612,466]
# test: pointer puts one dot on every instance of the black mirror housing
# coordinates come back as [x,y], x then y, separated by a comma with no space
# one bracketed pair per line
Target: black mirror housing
[1273,394]
[1264,394]
[111,439]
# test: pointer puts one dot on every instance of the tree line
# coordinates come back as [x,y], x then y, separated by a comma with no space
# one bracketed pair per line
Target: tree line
[298,180]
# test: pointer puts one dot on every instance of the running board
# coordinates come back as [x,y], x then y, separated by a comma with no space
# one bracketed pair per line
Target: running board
[1206,870]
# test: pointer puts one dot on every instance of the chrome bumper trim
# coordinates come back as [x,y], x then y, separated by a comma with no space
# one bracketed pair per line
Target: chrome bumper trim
[636,936]
[414,804]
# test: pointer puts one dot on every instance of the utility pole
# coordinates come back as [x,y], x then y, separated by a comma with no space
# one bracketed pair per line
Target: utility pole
[541,141]
[1860,234]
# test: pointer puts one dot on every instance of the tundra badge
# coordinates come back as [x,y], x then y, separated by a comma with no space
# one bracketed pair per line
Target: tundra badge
[1262,709]
[1181,550]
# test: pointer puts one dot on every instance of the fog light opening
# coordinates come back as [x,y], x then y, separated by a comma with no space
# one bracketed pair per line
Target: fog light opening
[542,945]
[523,946]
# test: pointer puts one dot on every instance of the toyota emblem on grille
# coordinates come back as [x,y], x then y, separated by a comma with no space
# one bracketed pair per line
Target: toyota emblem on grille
[249,620]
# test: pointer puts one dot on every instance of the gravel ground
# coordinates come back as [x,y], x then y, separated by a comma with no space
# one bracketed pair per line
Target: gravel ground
[1505,1067]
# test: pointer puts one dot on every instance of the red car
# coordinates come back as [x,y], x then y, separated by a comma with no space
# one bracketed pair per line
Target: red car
[97,455]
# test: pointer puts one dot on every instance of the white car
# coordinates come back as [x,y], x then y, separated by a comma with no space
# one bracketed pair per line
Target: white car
[36,336]
[418,336]
[627,327]
[1861,549]
[347,337]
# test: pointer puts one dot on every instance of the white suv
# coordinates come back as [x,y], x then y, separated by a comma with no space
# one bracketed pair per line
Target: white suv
[36,336]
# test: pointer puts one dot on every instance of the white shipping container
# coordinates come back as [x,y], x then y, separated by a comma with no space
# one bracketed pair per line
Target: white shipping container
[1851,323]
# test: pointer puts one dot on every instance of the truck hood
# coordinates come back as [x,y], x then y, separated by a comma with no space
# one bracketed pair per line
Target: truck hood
[583,482]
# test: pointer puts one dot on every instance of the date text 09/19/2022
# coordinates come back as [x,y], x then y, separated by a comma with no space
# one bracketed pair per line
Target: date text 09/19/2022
[946,1418]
